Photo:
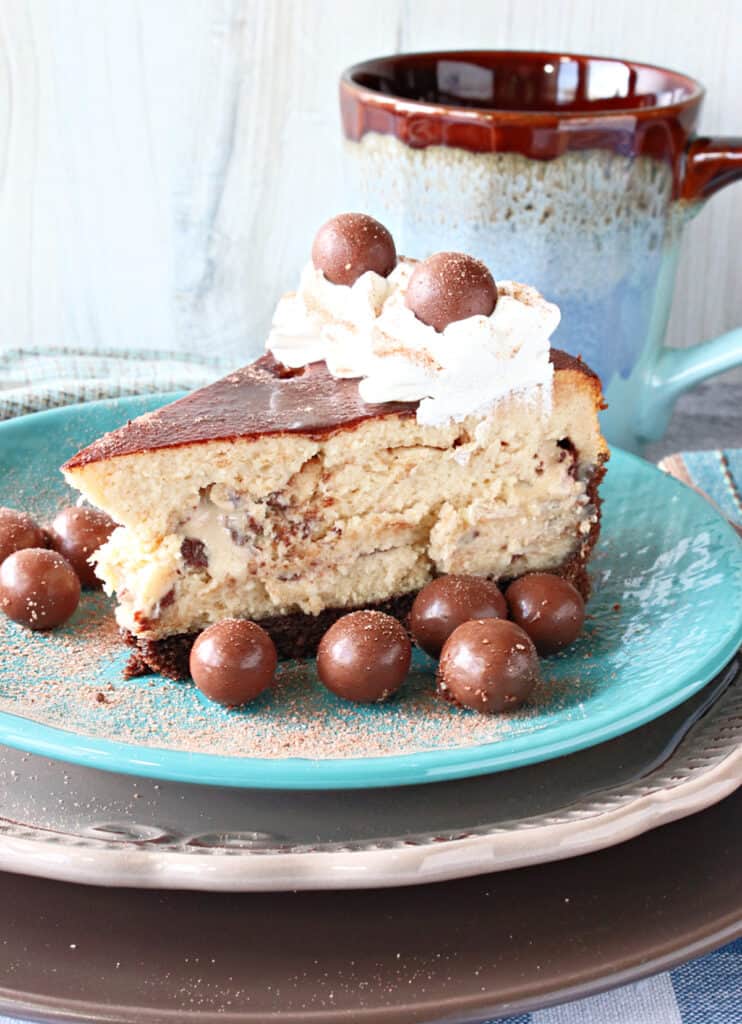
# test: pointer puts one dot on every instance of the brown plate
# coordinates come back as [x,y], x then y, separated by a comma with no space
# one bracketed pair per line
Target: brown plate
[458,951]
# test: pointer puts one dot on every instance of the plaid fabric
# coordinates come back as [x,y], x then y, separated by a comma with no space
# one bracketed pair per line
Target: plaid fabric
[35,379]
[704,991]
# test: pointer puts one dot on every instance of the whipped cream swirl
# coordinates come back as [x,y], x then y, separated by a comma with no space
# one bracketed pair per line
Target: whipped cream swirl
[367,331]
[334,322]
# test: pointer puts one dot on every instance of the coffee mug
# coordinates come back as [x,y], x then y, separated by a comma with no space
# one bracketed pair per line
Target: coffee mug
[576,174]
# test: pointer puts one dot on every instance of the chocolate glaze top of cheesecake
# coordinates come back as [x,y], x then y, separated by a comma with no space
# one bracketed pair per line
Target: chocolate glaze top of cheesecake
[259,399]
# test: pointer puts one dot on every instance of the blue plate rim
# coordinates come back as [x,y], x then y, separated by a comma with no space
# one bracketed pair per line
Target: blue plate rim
[353,773]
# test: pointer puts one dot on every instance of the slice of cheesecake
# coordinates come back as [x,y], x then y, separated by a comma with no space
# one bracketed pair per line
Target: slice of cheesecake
[280,496]
[422,427]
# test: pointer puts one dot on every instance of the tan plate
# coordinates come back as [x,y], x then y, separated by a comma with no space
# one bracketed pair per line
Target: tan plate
[462,951]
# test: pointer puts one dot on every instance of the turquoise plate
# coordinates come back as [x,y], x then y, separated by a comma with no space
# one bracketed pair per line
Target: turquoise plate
[665,618]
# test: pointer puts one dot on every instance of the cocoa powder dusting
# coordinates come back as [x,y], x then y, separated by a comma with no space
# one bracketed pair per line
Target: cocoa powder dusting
[73,679]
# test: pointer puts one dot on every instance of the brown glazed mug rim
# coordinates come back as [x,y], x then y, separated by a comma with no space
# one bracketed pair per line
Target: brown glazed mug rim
[694,90]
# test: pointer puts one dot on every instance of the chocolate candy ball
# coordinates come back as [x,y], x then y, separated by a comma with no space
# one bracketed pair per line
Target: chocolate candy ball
[548,608]
[18,531]
[450,286]
[489,665]
[349,245]
[76,533]
[445,603]
[38,588]
[364,656]
[233,662]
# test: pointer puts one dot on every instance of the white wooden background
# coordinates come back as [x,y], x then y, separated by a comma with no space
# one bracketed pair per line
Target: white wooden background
[164,163]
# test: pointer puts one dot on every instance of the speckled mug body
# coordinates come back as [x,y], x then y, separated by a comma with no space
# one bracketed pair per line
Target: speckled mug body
[588,206]
[594,231]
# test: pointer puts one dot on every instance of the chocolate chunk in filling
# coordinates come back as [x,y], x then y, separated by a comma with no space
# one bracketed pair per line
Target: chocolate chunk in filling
[194,553]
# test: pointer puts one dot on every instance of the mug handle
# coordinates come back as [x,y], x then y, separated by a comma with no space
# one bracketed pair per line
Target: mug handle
[711,163]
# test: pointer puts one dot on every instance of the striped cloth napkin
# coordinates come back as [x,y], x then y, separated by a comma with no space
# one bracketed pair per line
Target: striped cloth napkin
[35,379]
[704,991]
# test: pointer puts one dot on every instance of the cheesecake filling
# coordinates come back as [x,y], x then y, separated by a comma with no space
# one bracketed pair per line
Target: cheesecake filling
[356,523]
[367,332]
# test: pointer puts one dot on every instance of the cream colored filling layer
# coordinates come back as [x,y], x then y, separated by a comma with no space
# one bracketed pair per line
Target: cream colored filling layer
[364,517]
